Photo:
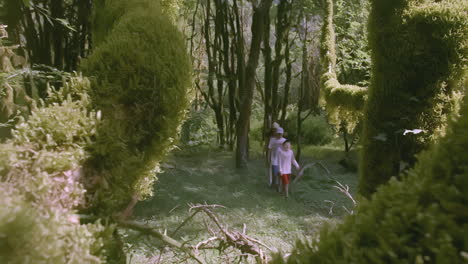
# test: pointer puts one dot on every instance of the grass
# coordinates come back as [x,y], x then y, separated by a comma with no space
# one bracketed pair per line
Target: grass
[207,176]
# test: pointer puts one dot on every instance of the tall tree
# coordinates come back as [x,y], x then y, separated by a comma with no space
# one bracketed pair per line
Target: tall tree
[260,10]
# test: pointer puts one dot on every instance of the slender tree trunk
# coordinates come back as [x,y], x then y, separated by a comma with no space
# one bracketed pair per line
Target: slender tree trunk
[281,26]
[58,34]
[287,84]
[246,95]
[267,117]
[303,86]
[240,54]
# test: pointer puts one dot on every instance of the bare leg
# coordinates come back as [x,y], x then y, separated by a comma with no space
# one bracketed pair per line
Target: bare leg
[286,190]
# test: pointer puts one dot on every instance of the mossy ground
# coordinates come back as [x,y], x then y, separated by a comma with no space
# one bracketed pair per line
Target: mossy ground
[204,175]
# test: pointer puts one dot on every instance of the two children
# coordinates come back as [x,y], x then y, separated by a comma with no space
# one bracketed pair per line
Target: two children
[281,158]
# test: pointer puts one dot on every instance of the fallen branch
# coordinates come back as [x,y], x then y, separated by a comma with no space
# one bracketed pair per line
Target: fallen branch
[345,190]
[168,240]
[242,242]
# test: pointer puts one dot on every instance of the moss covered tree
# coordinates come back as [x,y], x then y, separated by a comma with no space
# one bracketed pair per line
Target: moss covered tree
[420,219]
[344,102]
[141,72]
[419,52]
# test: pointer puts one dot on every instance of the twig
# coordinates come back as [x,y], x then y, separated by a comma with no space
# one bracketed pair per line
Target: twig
[346,209]
[345,190]
[184,222]
[175,207]
[205,206]
[204,243]
[330,212]
[257,241]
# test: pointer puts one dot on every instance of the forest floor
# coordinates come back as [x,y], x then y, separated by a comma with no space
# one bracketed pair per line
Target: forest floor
[206,176]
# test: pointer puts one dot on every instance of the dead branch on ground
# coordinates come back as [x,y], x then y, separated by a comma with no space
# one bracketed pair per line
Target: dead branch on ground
[168,240]
[226,238]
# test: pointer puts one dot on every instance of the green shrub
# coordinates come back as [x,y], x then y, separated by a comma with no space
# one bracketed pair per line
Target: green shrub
[315,130]
[199,128]
[419,219]
[41,182]
[44,235]
[419,55]
[140,76]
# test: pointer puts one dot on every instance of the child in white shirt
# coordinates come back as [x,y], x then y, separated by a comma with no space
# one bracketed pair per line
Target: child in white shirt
[285,159]
[274,145]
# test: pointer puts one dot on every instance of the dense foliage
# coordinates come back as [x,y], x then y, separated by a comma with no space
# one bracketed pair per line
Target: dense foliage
[55,33]
[42,184]
[419,54]
[353,60]
[140,76]
[419,219]
[315,130]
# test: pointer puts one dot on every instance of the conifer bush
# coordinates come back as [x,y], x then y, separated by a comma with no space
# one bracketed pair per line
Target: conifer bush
[421,218]
[140,75]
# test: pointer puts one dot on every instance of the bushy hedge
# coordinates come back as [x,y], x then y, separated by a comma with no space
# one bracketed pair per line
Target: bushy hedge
[419,54]
[140,75]
[419,219]
[41,183]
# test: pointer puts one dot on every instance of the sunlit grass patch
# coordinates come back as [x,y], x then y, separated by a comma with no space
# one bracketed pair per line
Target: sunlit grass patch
[203,176]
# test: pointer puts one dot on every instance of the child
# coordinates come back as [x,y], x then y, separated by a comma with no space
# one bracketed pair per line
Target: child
[285,159]
[273,147]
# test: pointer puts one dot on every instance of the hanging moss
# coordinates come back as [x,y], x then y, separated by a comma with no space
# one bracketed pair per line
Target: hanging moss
[419,219]
[141,73]
[419,52]
[343,102]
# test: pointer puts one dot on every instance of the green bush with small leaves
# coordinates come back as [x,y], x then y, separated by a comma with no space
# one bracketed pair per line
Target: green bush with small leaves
[315,130]
[141,73]
[42,182]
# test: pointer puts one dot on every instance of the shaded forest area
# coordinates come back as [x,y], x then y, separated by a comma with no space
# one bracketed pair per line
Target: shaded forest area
[99,99]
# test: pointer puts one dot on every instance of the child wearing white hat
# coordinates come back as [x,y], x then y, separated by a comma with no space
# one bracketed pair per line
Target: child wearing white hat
[276,141]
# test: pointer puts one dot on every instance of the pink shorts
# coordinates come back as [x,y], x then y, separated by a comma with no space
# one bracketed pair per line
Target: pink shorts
[285,178]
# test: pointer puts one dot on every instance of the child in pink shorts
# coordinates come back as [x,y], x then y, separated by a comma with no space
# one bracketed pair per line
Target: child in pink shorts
[285,160]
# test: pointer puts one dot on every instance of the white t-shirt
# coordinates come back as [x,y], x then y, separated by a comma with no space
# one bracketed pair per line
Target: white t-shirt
[285,159]
[274,145]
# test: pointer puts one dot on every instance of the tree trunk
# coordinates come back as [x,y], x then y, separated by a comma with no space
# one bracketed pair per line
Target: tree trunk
[246,92]
[287,84]
[267,117]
